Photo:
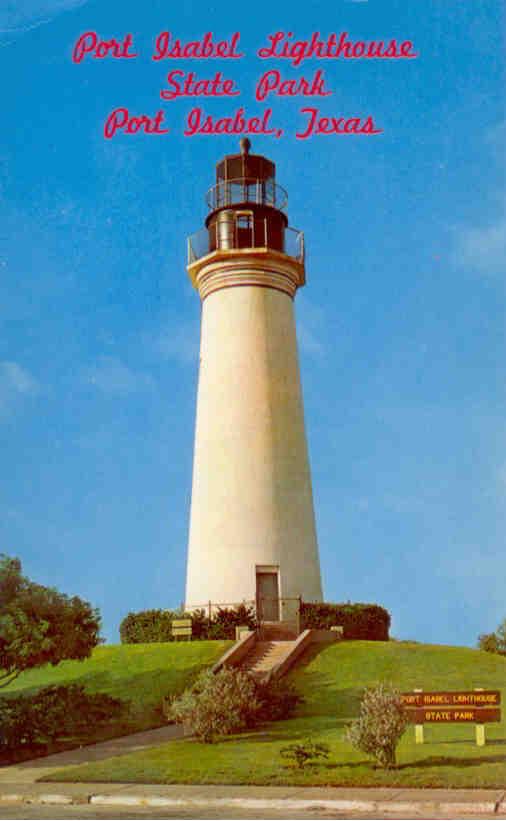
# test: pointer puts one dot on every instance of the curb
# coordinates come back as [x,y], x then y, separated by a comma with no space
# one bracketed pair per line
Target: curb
[490,807]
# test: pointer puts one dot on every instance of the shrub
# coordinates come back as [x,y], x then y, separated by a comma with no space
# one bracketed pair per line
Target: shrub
[225,620]
[488,643]
[382,721]
[156,625]
[218,704]
[360,621]
[304,752]
[147,626]
[494,642]
[278,700]
[200,624]
[230,701]
[54,713]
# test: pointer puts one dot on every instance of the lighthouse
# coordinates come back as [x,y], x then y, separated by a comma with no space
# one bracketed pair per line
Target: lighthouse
[252,534]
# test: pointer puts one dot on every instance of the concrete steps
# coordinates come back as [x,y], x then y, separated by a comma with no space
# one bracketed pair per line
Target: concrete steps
[265,656]
[271,651]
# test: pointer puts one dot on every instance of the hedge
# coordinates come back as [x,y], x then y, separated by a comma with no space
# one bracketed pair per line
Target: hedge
[359,621]
[156,625]
[53,713]
[147,626]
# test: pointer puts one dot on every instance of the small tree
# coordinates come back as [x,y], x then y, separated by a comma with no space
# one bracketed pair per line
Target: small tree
[380,725]
[494,642]
[39,625]
[304,752]
[488,643]
[501,636]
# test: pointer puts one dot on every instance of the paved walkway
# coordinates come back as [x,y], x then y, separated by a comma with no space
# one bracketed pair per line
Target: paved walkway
[18,786]
[30,771]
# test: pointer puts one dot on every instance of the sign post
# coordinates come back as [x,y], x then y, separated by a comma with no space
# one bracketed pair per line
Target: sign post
[418,727]
[480,728]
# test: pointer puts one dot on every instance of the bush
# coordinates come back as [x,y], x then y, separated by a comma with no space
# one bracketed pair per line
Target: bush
[147,626]
[382,721]
[54,713]
[494,642]
[488,642]
[229,702]
[304,752]
[218,704]
[156,625]
[278,700]
[224,621]
[360,621]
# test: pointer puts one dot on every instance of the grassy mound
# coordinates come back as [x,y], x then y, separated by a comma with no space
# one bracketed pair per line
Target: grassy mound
[141,674]
[332,682]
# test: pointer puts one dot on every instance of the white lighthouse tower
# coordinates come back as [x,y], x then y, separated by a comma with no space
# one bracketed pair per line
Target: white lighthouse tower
[252,527]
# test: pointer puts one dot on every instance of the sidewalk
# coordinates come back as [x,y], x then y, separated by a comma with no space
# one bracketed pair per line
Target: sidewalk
[19,785]
[285,799]
[28,772]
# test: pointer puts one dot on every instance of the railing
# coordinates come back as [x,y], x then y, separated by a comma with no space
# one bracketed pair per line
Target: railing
[284,609]
[265,609]
[246,190]
[207,240]
[210,607]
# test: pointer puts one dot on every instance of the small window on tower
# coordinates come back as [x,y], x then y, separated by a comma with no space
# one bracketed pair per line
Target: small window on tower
[244,226]
[244,221]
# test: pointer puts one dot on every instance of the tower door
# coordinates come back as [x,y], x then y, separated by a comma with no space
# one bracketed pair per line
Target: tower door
[267,596]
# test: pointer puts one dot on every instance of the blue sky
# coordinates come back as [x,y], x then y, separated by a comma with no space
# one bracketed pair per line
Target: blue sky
[401,326]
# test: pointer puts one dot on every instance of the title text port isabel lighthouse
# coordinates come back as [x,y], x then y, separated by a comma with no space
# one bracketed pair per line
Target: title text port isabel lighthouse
[252,527]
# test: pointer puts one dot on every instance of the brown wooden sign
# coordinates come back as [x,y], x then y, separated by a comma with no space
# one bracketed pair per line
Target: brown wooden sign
[478,707]
[182,627]
[463,698]
[461,715]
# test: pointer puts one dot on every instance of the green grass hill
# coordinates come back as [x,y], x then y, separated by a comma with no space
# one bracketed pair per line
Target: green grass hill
[141,674]
[332,682]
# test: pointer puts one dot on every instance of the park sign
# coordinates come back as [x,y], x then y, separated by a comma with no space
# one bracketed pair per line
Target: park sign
[182,628]
[460,698]
[480,715]
[478,707]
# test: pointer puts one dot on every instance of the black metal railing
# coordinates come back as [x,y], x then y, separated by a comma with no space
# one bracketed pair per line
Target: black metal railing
[280,608]
[210,239]
[266,609]
[246,190]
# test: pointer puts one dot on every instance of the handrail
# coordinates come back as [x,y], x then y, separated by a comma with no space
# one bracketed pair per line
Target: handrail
[219,604]
[246,190]
[239,603]
[207,240]
[211,607]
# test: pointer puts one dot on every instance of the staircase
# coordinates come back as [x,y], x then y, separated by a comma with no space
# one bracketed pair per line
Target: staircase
[265,656]
[272,649]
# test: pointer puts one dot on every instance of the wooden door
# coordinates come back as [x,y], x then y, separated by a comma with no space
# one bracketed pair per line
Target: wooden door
[267,597]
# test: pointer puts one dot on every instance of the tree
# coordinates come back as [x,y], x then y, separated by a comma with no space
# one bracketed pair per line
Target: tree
[380,725]
[39,625]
